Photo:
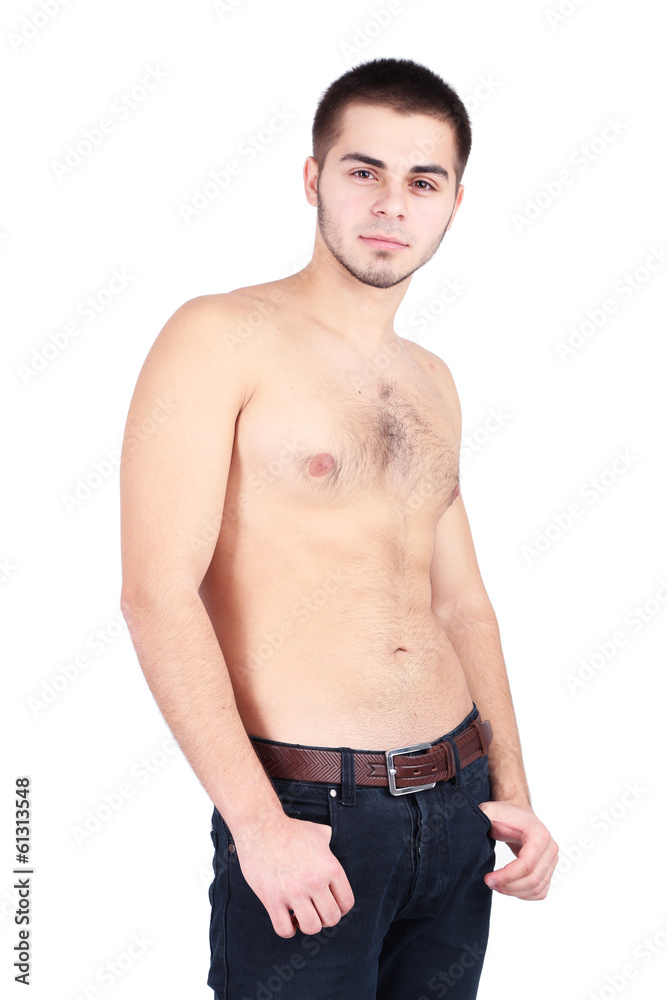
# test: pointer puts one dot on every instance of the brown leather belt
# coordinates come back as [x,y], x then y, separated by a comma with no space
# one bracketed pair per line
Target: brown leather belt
[401,773]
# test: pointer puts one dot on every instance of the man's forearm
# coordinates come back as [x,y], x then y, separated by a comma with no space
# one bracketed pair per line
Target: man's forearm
[476,640]
[183,664]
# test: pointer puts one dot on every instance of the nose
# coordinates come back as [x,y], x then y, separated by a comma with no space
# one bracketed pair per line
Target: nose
[390,200]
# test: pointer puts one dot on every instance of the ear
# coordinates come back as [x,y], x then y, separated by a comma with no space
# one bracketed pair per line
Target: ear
[310,175]
[459,199]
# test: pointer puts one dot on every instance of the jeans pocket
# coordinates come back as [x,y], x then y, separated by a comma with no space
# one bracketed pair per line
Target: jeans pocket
[476,787]
[214,838]
[211,888]
[306,801]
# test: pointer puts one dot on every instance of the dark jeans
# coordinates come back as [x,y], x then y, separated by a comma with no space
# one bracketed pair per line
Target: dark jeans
[420,921]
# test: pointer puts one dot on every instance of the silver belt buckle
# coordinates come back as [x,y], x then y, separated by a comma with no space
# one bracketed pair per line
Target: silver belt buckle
[391,770]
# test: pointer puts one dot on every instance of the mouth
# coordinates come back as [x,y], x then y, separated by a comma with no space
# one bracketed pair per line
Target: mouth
[383,244]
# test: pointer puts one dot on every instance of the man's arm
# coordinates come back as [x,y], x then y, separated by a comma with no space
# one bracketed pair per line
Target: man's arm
[173,478]
[175,464]
[461,605]
[469,621]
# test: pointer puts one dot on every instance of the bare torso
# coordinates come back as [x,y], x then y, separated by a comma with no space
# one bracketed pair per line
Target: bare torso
[319,588]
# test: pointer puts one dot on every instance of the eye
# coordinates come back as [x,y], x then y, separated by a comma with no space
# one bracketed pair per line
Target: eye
[420,181]
[362,171]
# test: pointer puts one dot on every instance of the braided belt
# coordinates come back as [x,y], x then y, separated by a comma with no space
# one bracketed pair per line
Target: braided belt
[435,762]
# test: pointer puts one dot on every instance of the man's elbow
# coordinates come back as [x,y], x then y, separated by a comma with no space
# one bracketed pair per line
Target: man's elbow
[133,608]
[140,603]
[467,613]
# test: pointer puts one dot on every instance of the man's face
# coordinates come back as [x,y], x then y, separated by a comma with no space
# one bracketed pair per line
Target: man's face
[358,199]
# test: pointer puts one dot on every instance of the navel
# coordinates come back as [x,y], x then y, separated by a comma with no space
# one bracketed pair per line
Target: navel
[321,464]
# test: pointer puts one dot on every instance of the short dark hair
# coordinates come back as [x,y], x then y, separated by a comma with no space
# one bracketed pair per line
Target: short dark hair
[400,84]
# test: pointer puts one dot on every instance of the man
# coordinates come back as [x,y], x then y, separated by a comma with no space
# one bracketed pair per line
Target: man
[303,594]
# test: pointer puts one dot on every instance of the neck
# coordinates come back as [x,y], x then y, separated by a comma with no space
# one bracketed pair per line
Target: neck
[358,315]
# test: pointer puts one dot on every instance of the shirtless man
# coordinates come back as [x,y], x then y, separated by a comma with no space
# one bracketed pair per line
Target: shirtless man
[299,572]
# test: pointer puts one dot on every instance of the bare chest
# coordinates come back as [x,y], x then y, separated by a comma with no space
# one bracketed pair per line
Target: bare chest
[323,437]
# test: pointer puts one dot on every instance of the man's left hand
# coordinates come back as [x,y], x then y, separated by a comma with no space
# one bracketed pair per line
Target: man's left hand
[529,876]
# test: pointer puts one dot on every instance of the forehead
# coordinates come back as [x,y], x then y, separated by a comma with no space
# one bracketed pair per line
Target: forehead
[400,140]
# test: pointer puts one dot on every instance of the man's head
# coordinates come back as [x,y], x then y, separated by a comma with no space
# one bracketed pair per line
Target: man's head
[402,85]
[394,139]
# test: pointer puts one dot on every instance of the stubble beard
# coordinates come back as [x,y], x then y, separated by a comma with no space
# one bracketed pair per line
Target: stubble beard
[379,275]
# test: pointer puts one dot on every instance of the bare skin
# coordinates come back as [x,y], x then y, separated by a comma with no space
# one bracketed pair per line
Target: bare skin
[297,562]
[337,479]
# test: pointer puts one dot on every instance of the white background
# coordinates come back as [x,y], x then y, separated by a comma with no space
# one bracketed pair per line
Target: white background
[540,90]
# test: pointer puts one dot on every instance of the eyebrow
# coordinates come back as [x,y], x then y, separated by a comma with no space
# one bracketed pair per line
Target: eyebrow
[429,168]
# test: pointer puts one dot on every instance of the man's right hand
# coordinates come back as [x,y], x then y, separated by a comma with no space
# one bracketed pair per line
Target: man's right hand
[290,868]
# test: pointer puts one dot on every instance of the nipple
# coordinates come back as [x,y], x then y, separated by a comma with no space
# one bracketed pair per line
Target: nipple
[321,464]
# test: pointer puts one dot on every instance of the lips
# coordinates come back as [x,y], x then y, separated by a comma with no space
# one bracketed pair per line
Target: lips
[383,242]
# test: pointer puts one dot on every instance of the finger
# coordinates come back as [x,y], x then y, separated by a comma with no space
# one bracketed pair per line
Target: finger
[307,917]
[527,888]
[518,877]
[341,891]
[511,872]
[527,860]
[283,923]
[327,909]
[326,826]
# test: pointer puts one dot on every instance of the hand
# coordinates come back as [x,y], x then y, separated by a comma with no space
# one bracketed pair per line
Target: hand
[295,875]
[536,851]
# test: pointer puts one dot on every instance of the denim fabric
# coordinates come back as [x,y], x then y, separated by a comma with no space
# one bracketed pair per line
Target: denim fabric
[419,926]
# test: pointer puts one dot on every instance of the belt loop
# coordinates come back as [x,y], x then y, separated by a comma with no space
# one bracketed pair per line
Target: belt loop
[348,783]
[457,762]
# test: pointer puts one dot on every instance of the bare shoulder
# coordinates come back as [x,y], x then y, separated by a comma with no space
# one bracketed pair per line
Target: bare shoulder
[218,315]
[232,328]
[203,317]
[440,373]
